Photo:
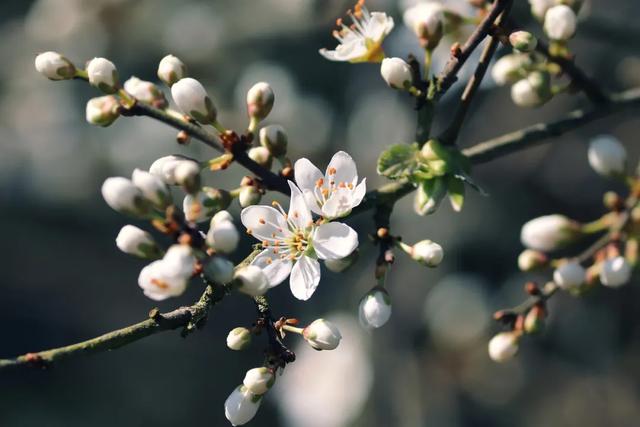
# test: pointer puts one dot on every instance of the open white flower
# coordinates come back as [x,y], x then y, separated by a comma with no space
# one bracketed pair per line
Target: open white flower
[293,243]
[362,42]
[335,193]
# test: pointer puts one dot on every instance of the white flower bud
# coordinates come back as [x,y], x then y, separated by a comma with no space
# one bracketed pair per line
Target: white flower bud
[560,22]
[396,72]
[539,7]
[137,242]
[145,91]
[201,206]
[171,69]
[223,236]
[548,233]
[261,155]
[192,98]
[123,196]
[187,175]
[54,66]
[427,21]
[219,270]
[530,260]
[103,110]
[252,280]
[503,346]
[428,253]
[510,68]
[341,264]
[259,380]
[322,335]
[274,139]
[165,167]
[523,41]
[179,260]
[570,275]
[615,272]
[221,217]
[249,195]
[103,75]
[152,188]
[375,308]
[241,406]
[532,91]
[260,100]
[239,338]
[159,282]
[607,156]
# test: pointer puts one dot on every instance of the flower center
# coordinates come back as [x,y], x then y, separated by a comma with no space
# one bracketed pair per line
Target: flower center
[291,245]
[323,190]
[360,17]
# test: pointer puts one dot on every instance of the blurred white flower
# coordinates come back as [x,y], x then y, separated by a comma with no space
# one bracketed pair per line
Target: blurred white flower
[503,346]
[548,233]
[222,235]
[615,272]
[137,242]
[569,275]
[171,69]
[123,196]
[54,66]
[252,280]
[102,110]
[152,188]
[169,276]
[607,156]
[560,22]
[239,338]
[259,380]
[375,308]
[241,406]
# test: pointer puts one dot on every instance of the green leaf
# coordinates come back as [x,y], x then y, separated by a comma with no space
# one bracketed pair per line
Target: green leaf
[455,187]
[429,194]
[398,161]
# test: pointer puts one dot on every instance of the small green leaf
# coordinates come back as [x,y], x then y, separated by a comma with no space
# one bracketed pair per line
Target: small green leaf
[429,194]
[455,187]
[398,161]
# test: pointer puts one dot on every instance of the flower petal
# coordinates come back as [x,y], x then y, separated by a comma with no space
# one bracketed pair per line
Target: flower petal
[342,168]
[359,193]
[305,276]
[306,174]
[264,222]
[334,240]
[299,212]
[379,26]
[275,268]
[339,204]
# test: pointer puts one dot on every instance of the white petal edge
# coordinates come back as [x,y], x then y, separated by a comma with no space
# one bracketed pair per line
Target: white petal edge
[306,174]
[299,212]
[276,270]
[334,240]
[305,276]
[359,193]
[274,222]
[345,168]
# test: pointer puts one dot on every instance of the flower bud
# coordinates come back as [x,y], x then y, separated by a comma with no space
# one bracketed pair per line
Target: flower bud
[241,406]
[322,335]
[103,75]
[539,8]
[203,205]
[165,167]
[375,308]
[523,41]
[607,156]
[570,276]
[532,91]
[259,380]
[427,253]
[274,139]
[503,346]
[615,272]
[219,270]
[342,264]
[534,320]
[145,91]
[239,338]
[162,279]
[530,260]
[251,280]
[427,20]
[548,233]
[396,72]
[510,68]
[192,98]
[180,261]
[187,175]
[249,195]
[221,216]
[152,188]
[223,236]
[54,66]
[560,22]
[103,110]
[260,101]
[429,195]
[124,197]
[262,156]
[171,69]
[137,242]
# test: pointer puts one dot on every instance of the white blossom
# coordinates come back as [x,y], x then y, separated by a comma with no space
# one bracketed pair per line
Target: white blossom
[261,155]
[548,233]
[560,22]
[510,68]
[252,280]
[532,91]
[570,275]
[152,187]
[187,175]
[223,235]
[219,270]
[145,91]
[531,259]
[123,196]
[335,193]
[137,242]
[103,75]
[607,156]
[396,72]
[239,338]
[523,41]
[503,346]
[201,206]
[165,167]
[171,69]
[615,272]
[361,42]
[375,308]
[322,335]
[260,100]
[426,20]
[192,98]
[428,253]
[241,406]
[169,276]
[54,66]
[249,196]
[179,260]
[102,110]
[539,7]
[221,216]
[259,380]
[274,139]
[293,243]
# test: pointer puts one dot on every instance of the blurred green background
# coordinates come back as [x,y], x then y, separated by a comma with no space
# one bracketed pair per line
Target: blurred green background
[65,281]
